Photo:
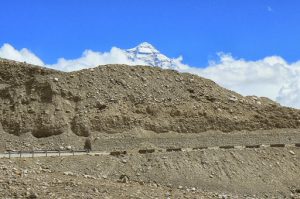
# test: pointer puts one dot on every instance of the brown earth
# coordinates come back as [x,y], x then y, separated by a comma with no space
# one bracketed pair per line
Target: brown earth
[140,107]
[118,98]
[224,174]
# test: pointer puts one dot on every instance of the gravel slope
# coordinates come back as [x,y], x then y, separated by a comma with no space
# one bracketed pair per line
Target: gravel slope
[249,173]
[118,98]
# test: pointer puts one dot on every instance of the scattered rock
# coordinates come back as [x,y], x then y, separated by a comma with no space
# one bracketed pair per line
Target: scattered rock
[90,177]
[292,152]
[233,98]
[104,176]
[68,173]
[32,195]
[222,196]
[124,179]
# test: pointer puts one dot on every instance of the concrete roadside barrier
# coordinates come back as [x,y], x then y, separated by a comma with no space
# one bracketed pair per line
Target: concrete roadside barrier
[252,146]
[144,151]
[173,149]
[118,153]
[277,145]
[227,147]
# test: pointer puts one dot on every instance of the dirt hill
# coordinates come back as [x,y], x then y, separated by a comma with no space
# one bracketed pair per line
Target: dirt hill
[118,98]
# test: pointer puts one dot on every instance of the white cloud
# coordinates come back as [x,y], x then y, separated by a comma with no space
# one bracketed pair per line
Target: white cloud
[23,55]
[271,76]
[91,58]
[262,77]
[289,94]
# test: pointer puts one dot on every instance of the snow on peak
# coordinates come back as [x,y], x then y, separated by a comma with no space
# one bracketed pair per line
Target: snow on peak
[148,54]
[143,48]
[146,45]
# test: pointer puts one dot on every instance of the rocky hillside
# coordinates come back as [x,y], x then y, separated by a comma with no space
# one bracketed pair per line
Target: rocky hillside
[119,98]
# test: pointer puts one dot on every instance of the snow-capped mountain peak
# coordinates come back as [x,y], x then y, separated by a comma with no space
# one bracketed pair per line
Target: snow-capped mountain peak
[148,54]
[144,47]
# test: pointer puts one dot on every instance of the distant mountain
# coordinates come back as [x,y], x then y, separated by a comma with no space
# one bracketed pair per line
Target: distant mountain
[149,55]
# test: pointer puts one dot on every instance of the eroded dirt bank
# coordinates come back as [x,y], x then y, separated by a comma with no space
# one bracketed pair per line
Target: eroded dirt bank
[119,98]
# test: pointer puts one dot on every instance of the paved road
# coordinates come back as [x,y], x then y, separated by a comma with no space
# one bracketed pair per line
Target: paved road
[23,154]
[48,154]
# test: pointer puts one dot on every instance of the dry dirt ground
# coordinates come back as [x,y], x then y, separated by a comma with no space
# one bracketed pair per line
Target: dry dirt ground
[265,172]
[214,173]
[119,107]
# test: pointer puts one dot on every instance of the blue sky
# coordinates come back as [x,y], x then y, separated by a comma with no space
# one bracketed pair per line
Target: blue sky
[192,28]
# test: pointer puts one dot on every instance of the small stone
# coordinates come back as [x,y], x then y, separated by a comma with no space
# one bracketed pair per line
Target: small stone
[180,187]
[55,79]
[232,99]
[68,173]
[292,152]
[32,195]
[69,147]
[95,190]
[104,176]
[141,183]
[223,196]
[124,179]
[124,161]
[90,177]
[193,189]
